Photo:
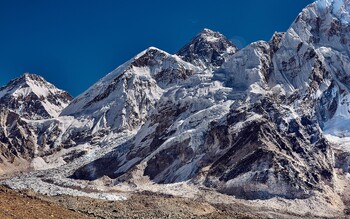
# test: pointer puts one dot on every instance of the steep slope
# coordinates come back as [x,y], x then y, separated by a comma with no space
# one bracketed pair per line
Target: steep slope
[17,141]
[122,99]
[32,97]
[208,50]
[266,151]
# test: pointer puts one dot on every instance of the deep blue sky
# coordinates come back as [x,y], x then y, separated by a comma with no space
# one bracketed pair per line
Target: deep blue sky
[73,43]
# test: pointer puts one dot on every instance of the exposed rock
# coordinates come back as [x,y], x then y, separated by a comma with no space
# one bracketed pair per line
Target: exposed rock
[33,97]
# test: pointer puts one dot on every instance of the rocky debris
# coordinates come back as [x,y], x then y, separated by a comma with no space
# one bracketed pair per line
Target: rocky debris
[141,205]
[15,204]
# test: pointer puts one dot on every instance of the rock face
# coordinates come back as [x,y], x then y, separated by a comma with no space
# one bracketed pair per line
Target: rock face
[17,138]
[266,153]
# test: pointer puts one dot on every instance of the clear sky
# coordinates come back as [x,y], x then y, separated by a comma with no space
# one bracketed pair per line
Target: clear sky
[73,43]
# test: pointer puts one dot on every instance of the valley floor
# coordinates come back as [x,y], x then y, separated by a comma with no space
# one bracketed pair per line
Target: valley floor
[17,205]
[27,204]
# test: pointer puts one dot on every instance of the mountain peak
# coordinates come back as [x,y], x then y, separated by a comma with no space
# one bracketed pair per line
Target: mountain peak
[31,76]
[153,48]
[207,50]
[149,50]
[208,31]
[210,35]
[131,89]
[25,78]
[31,96]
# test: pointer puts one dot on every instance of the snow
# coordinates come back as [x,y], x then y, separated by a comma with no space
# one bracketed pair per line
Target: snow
[244,67]
[28,84]
[339,8]
[324,3]
[212,39]
[54,190]
[338,126]
[340,143]
[130,91]
[38,164]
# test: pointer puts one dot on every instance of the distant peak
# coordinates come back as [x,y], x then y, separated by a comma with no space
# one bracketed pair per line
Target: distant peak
[27,80]
[207,50]
[153,48]
[29,76]
[209,35]
[149,50]
[206,30]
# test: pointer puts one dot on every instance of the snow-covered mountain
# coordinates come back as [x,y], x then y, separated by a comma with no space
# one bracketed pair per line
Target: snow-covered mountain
[269,120]
[122,99]
[33,97]
[255,129]
[25,99]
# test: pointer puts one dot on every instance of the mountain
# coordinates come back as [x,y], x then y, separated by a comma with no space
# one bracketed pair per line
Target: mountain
[122,99]
[269,122]
[32,97]
[256,128]
[208,50]
[27,98]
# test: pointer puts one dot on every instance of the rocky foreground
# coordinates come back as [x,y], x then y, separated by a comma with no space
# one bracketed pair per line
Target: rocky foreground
[26,204]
